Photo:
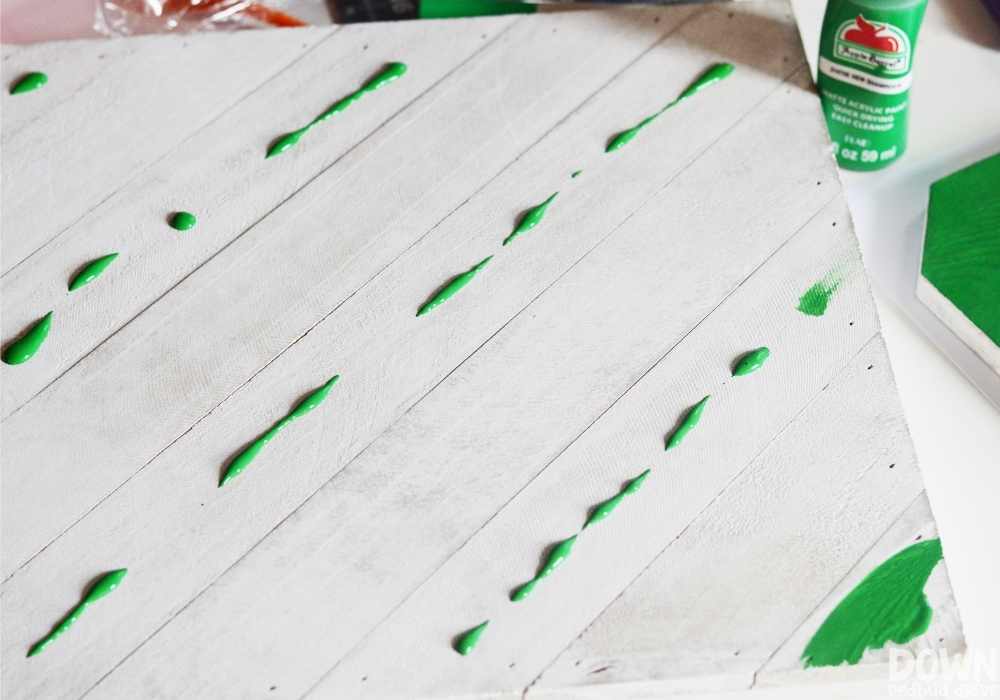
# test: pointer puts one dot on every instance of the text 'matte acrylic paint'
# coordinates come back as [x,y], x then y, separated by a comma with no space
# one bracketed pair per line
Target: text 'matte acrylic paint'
[865,70]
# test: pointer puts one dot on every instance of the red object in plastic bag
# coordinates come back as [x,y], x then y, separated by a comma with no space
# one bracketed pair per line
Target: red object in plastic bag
[125,17]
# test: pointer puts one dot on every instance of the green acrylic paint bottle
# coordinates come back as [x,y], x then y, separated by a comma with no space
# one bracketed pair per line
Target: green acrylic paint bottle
[865,70]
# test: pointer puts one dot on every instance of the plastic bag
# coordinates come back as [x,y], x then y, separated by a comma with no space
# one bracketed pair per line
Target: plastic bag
[127,17]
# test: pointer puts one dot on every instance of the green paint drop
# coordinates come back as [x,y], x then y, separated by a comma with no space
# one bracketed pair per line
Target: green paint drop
[889,605]
[576,174]
[710,77]
[391,73]
[817,297]
[22,349]
[32,81]
[530,220]
[467,642]
[556,557]
[182,221]
[104,585]
[244,458]
[690,420]
[604,509]
[751,362]
[452,287]
[91,271]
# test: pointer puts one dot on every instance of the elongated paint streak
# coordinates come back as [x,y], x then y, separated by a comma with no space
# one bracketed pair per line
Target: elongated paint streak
[91,271]
[712,76]
[889,605]
[530,220]
[243,459]
[556,557]
[817,297]
[25,347]
[31,81]
[690,420]
[449,290]
[467,642]
[392,72]
[104,585]
[751,362]
[603,510]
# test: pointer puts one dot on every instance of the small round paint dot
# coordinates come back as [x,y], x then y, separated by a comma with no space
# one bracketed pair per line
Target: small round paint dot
[182,221]
[31,81]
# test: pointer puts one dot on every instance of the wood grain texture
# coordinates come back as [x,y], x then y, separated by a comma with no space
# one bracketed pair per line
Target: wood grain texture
[455,447]
[130,398]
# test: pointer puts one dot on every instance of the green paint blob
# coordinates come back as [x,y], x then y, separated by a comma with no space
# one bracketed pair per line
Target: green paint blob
[604,509]
[391,73]
[817,297]
[710,77]
[182,221]
[889,605]
[751,362]
[32,81]
[531,219]
[91,271]
[467,642]
[104,585]
[22,349]
[307,404]
[690,420]
[962,246]
[556,557]
[449,290]
[576,174]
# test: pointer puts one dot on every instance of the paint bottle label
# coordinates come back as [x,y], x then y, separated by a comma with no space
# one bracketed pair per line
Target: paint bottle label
[865,70]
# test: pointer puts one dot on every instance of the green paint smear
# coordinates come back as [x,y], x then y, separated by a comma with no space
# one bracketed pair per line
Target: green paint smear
[91,271]
[389,74]
[556,557]
[962,246]
[243,459]
[441,9]
[450,289]
[182,221]
[817,297]
[32,81]
[713,75]
[889,605]
[690,420]
[467,642]
[531,219]
[24,348]
[576,174]
[751,362]
[104,585]
[604,509]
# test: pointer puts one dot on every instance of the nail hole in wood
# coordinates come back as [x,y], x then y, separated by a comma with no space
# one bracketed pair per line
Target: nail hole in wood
[892,465]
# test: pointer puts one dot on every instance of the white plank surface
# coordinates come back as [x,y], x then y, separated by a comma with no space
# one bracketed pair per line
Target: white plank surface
[139,391]
[83,150]
[458,445]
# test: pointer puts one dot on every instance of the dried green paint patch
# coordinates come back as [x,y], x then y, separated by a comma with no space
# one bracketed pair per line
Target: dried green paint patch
[104,585]
[691,419]
[889,605]
[450,289]
[817,297]
[91,271]
[530,220]
[605,509]
[556,557]
[467,641]
[751,362]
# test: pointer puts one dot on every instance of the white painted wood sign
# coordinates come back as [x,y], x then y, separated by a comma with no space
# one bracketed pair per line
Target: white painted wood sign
[459,447]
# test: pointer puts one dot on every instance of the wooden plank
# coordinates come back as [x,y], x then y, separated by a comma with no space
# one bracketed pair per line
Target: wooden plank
[474,584]
[784,667]
[132,397]
[361,335]
[221,174]
[49,177]
[718,602]
[413,497]
[89,59]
